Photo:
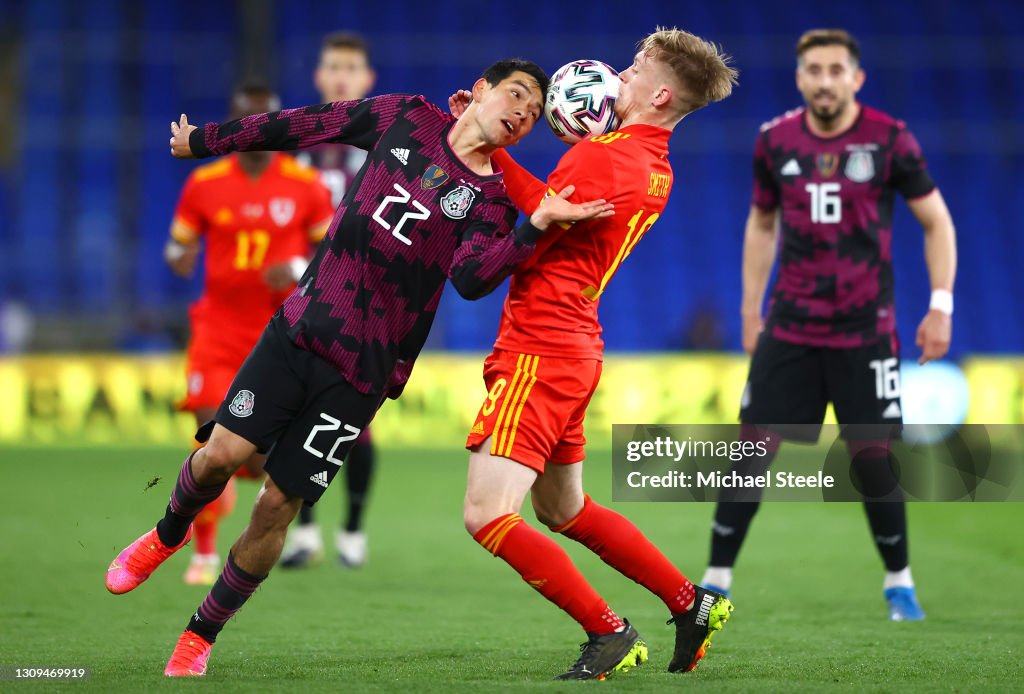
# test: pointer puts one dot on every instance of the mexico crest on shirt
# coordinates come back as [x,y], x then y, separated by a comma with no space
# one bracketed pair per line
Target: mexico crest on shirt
[242,404]
[456,202]
[860,167]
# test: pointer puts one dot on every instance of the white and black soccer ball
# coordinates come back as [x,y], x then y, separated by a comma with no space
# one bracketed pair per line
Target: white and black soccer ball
[581,100]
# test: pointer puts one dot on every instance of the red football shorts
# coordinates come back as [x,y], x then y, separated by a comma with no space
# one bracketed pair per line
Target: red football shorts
[214,355]
[535,408]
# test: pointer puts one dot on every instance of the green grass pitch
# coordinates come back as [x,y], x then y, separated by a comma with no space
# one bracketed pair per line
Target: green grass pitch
[433,612]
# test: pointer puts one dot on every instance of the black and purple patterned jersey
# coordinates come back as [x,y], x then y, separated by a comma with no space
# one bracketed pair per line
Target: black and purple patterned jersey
[835,196]
[414,217]
[338,166]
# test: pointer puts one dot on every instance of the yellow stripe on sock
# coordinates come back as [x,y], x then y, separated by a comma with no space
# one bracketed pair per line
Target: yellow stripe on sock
[568,524]
[492,541]
[500,539]
[487,539]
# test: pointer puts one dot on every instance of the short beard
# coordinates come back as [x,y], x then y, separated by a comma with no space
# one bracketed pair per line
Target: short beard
[829,117]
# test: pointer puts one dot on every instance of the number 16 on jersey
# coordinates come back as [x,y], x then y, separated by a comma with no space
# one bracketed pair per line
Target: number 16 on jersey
[826,205]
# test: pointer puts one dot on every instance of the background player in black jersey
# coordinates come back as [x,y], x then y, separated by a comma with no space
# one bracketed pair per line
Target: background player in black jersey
[344,73]
[826,176]
[428,205]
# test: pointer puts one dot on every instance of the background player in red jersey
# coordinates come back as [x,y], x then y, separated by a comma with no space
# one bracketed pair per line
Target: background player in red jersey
[826,176]
[430,206]
[259,215]
[344,73]
[528,436]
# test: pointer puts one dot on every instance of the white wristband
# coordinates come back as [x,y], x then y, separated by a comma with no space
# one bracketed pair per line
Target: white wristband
[174,251]
[298,266]
[942,300]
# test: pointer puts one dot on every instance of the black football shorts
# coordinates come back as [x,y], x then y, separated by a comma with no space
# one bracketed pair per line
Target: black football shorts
[792,384]
[295,407]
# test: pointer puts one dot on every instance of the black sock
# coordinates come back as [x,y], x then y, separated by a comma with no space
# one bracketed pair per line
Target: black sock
[888,521]
[732,520]
[233,587]
[883,503]
[358,472]
[187,499]
[738,505]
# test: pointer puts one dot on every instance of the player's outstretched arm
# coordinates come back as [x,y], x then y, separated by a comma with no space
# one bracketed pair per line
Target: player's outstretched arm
[935,330]
[357,123]
[491,249]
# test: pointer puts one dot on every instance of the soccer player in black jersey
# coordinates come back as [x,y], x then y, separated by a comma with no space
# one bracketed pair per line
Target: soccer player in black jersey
[825,178]
[427,206]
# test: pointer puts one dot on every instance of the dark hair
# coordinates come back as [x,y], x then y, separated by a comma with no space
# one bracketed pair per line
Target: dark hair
[503,68]
[255,88]
[828,37]
[346,40]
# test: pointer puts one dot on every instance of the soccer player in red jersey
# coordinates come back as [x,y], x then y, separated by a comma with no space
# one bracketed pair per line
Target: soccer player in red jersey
[826,175]
[344,73]
[528,435]
[259,215]
[429,206]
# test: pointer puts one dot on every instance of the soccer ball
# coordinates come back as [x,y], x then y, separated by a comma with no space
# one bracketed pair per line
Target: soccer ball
[581,100]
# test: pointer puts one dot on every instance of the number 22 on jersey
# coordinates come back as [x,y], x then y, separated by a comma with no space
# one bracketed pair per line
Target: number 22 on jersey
[402,198]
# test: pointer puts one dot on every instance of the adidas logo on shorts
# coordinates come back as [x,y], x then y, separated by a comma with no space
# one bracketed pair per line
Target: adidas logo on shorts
[320,478]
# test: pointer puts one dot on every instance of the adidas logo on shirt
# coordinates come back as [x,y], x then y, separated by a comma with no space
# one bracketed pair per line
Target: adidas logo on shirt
[791,168]
[892,411]
[320,478]
[401,154]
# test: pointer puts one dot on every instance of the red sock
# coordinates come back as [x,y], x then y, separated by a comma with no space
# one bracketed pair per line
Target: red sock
[204,532]
[621,545]
[204,527]
[546,567]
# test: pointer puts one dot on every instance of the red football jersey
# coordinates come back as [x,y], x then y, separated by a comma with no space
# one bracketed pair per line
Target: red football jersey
[248,225]
[551,308]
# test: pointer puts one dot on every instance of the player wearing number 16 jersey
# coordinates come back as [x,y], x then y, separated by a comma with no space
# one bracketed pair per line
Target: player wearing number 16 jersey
[528,436]
[428,205]
[826,176]
[344,73]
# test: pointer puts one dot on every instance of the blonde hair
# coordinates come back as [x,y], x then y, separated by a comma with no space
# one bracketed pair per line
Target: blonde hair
[700,66]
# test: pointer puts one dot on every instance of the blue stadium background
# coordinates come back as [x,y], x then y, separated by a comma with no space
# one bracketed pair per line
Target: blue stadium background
[87,187]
